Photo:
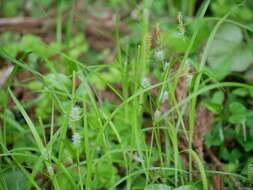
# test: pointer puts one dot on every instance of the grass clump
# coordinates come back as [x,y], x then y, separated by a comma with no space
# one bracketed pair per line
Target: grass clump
[134,100]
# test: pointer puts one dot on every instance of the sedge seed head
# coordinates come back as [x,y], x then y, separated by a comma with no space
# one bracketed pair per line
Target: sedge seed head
[159,55]
[76,139]
[75,113]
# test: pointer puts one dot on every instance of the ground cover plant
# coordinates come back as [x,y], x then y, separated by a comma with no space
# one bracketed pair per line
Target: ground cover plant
[126,95]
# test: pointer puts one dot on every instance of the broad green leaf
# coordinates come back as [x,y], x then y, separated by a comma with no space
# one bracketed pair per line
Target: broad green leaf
[238,113]
[224,153]
[228,52]
[237,108]
[237,118]
[235,155]
[106,173]
[230,167]
[15,179]
[216,136]
[241,92]
[213,107]
[186,187]
[218,97]
[158,187]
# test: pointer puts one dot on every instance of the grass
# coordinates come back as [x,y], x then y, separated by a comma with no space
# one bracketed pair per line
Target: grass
[87,142]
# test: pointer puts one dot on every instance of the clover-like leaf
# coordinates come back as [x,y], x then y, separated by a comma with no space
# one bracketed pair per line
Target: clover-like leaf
[228,52]
[238,113]
[15,179]
[186,187]
[158,187]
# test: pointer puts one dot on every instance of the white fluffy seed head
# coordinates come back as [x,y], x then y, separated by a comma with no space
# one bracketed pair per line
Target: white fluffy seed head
[137,158]
[75,113]
[76,139]
[135,14]
[159,55]
[145,82]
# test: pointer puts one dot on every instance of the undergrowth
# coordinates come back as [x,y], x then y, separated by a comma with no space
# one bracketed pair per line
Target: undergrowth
[171,110]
